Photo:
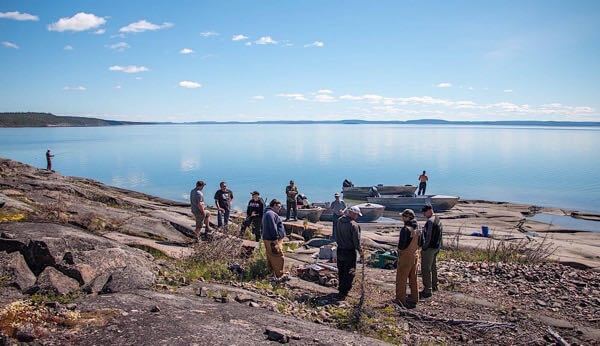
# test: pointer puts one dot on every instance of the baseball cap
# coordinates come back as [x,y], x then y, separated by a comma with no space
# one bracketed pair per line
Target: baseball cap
[408,212]
[337,194]
[426,207]
[255,193]
[355,210]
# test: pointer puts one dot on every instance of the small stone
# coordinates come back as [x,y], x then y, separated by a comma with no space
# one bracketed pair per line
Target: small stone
[71,306]
[243,298]
[513,291]
[253,305]
[25,333]
[155,309]
[540,302]
[280,335]
[202,292]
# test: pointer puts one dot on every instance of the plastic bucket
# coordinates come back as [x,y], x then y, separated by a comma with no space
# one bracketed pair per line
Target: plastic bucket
[485,231]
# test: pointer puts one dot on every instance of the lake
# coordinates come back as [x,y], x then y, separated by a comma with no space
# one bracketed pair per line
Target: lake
[538,165]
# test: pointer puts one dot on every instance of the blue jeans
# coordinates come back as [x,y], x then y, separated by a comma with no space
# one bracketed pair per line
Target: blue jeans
[223,218]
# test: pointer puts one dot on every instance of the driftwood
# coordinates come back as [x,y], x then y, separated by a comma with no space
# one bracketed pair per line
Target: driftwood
[475,324]
[559,340]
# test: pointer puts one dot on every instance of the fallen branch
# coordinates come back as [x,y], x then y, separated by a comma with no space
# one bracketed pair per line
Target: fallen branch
[559,340]
[476,324]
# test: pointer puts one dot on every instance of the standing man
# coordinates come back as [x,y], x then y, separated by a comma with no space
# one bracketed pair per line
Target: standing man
[422,183]
[49,157]
[273,234]
[201,214]
[348,241]
[432,243]
[408,245]
[254,214]
[223,198]
[337,207]
[291,191]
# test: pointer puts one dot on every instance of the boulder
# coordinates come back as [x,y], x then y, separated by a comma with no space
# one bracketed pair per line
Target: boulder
[54,282]
[15,267]
[128,279]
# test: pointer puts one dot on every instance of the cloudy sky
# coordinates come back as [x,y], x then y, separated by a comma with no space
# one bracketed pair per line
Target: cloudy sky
[314,60]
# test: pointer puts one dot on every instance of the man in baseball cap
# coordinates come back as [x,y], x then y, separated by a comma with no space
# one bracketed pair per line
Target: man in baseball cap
[348,241]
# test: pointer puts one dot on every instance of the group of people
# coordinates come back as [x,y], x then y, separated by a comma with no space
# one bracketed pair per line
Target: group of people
[413,243]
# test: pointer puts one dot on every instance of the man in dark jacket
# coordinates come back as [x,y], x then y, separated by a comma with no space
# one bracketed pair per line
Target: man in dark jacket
[254,214]
[223,199]
[273,234]
[432,243]
[348,241]
[49,157]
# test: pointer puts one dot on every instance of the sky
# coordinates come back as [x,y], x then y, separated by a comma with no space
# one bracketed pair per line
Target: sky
[302,60]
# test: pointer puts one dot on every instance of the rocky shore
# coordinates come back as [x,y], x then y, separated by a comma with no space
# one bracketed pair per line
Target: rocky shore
[86,263]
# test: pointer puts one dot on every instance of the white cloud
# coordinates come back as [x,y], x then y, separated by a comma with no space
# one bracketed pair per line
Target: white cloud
[292,96]
[186,51]
[258,97]
[128,69]
[16,15]
[508,90]
[8,44]
[325,91]
[444,85]
[209,34]
[189,84]
[68,47]
[318,44]
[75,88]
[265,40]
[118,87]
[119,47]
[99,31]
[144,25]
[248,43]
[80,22]
[324,98]
[239,37]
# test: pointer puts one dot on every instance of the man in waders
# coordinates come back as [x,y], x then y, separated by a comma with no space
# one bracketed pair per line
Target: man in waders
[273,234]
[408,245]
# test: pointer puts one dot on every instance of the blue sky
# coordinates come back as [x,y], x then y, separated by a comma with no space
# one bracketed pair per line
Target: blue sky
[375,60]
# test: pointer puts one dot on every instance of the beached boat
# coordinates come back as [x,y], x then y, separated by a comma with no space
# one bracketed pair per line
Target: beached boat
[371,212]
[311,214]
[360,193]
[399,203]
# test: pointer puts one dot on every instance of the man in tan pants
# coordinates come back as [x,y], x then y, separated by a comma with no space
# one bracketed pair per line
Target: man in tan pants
[273,234]
[408,244]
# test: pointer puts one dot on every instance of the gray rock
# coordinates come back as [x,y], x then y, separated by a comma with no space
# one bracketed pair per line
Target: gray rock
[155,309]
[129,278]
[280,335]
[15,267]
[55,282]
[243,298]
[202,292]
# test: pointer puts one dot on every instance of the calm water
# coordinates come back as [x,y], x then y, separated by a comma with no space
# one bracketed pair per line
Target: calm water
[544,166]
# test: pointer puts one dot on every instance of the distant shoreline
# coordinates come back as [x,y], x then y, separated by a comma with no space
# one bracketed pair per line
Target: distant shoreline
[15,120]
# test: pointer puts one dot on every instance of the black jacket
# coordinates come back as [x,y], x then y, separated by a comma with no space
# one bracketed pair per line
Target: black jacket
[432,233]
[257,207]
[406,234]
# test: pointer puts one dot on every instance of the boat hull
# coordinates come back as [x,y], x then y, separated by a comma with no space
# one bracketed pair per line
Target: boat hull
[399,203]
[311,214]
[371,212]
[360,193]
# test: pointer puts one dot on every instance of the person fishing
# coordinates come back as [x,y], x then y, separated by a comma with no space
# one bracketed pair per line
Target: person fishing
[408,244]
[422,183]
[49,157]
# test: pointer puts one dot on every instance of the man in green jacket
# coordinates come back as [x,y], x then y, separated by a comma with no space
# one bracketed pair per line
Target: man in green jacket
[432,243]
